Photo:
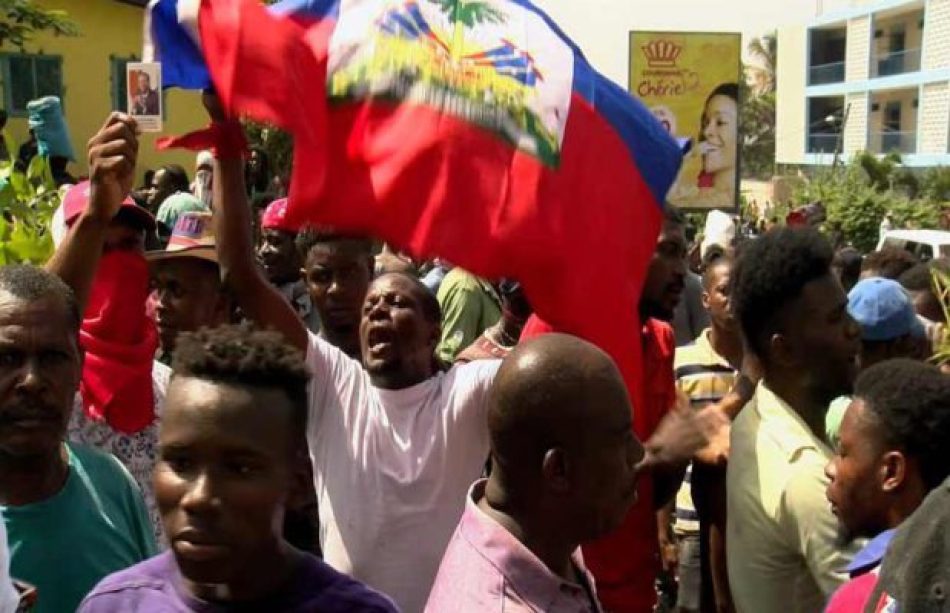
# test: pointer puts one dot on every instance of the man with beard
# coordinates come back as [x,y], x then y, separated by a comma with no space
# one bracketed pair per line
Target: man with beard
[396,441]
[782,545]
[893,452]
[72,514]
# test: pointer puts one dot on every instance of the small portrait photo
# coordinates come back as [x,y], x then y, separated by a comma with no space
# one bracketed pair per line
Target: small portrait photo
[145,94]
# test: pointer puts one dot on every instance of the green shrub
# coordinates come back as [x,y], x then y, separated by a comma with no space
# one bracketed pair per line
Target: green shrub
[27,203]
[858,195]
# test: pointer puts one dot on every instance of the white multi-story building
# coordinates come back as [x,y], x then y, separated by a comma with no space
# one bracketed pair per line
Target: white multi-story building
[866,76]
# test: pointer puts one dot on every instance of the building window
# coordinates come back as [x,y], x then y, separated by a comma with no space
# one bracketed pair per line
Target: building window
[28,77]
[120,98]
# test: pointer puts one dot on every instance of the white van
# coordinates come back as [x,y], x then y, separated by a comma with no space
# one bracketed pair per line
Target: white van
[924,244]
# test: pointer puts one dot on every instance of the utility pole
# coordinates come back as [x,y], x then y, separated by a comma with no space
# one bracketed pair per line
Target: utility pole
[840,139]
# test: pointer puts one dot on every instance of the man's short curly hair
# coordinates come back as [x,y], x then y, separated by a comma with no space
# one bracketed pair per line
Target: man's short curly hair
[245,356]
[909,402]
[889,262]
[309,237]
[772,271]
[28,282]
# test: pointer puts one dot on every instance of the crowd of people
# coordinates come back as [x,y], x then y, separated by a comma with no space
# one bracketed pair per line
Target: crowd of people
[205,408]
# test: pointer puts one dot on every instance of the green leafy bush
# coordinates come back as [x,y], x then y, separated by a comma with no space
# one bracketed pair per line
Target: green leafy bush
[858,195]
[942,288]
[27,203]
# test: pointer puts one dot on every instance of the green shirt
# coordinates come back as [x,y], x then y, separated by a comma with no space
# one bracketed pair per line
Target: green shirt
[97,524]
[469,307]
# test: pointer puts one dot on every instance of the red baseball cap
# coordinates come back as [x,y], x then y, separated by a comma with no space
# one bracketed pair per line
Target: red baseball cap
[275,217]
[77,199]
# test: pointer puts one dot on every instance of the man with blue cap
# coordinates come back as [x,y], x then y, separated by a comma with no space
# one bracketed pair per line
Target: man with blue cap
[889,325]
[889,329]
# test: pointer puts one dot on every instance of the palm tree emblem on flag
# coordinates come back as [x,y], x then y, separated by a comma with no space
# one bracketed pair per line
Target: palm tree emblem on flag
[469,58]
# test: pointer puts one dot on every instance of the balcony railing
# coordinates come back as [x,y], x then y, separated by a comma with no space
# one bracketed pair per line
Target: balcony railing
[833,72]
[888,141]
[822,143]
[895,62]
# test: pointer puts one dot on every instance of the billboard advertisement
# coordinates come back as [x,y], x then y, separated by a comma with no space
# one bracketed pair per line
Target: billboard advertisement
[690,80]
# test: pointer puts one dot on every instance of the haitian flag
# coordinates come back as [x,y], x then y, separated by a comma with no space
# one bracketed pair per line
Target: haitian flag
[472,130]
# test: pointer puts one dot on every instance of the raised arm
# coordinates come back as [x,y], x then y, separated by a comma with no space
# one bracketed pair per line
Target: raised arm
[112,157]
[259,300]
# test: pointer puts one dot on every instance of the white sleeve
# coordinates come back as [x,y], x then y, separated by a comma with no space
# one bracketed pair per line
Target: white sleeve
[473,382]
[332,373]
[8,595]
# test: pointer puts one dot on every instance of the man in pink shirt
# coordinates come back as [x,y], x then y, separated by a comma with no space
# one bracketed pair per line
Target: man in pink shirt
[565,464]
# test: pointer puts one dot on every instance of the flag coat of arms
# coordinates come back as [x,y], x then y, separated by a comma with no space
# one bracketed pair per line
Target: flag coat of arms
[472,130]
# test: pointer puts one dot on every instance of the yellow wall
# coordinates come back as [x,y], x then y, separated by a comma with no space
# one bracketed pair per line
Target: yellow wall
[107,28]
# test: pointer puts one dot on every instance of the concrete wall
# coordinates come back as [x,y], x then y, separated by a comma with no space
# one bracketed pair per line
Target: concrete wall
[856,129]
[937,37]
[934,118]
[108,28]
[857,54]
[790,108]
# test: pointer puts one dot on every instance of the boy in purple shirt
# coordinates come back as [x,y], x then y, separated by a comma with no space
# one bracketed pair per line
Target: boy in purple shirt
[233,457]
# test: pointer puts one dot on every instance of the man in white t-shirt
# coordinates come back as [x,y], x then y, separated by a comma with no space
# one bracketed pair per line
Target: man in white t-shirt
[395,441]
[394,445]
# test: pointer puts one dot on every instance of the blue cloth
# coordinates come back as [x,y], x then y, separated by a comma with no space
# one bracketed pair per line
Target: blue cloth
[47,122]
[433,278]
[872,554]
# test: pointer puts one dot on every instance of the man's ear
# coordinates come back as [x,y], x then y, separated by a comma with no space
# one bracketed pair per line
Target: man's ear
[893,471]
[556,470]
[781,350]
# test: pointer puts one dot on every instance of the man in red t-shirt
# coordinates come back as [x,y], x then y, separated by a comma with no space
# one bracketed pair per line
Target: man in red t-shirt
[625,564]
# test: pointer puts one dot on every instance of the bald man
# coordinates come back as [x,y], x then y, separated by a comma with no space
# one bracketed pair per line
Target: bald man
[565,466]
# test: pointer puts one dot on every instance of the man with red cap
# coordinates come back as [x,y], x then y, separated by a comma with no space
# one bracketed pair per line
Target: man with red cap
[102,258]
[278,255]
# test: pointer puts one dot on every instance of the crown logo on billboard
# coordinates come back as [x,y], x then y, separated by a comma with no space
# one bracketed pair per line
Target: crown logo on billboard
[661,53]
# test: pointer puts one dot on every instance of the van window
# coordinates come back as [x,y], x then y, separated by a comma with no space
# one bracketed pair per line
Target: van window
[921,251]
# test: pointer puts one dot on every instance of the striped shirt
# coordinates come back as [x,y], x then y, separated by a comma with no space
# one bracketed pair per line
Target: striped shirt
[705,377]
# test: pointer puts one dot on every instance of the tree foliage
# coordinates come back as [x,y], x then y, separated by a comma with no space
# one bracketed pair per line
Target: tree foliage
[765,50]
[757,110]
[27,203]
[21,19]
[942,288]
[858,195]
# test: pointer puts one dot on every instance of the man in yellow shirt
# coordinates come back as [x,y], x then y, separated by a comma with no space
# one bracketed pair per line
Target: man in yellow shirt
[784,550]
